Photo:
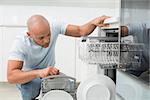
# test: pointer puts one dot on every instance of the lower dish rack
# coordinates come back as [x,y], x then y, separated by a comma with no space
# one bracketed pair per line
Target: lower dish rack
[59,82]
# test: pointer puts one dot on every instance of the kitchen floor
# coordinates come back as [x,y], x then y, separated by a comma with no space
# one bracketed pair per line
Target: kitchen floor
[9,92]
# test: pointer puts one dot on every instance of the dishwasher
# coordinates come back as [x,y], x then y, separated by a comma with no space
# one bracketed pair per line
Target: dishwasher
[107,53]
[110,54]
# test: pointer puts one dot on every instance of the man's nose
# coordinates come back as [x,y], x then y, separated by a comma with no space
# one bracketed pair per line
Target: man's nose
[46,40]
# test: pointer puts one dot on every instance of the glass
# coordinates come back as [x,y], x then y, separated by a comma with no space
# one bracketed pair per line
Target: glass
[135,16]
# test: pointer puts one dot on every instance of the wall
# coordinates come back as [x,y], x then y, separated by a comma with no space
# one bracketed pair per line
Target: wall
[64,3]
[133,11]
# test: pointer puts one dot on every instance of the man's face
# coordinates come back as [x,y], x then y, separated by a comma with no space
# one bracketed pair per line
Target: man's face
[39,30]
[42,39]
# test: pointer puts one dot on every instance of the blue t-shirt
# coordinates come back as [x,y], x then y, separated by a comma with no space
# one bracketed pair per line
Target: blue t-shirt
[34,56]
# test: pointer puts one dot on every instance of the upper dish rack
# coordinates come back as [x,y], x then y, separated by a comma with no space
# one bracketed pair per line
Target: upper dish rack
[109,53]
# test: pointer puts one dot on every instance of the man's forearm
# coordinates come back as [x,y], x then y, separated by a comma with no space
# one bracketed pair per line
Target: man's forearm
[20,77]
[88,28]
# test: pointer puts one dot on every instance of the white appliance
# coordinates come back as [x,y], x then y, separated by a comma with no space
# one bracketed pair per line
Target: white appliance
[109,54]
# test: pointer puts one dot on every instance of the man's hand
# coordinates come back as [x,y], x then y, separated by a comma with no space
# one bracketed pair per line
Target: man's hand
[47,71]
[100,21]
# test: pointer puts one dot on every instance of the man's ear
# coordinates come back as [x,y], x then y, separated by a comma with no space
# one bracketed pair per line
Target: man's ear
[28,34]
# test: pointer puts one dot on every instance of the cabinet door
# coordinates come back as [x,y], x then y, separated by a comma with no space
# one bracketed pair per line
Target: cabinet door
[9,34]
[1,46]
[65,55]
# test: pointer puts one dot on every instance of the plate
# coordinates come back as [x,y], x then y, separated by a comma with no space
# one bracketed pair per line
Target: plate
[57,95]
[97,86]
[111,20]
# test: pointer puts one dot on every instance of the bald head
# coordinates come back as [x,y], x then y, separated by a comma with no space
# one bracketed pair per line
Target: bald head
[39,30]
[37,23]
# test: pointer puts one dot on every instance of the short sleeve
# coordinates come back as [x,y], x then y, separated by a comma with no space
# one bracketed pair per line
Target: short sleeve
[17,51]
[59,27]
[63,27]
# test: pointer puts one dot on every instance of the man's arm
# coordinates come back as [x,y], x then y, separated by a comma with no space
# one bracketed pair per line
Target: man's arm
[86,29]
[16,75]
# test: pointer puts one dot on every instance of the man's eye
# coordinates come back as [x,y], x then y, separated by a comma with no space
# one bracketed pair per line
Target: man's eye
[41,38]
[48,35]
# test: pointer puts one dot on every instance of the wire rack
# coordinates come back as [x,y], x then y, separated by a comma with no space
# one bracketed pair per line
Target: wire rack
[110,54]
[59,82]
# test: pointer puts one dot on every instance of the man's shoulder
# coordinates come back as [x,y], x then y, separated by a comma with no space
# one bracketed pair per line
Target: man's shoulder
[22,39]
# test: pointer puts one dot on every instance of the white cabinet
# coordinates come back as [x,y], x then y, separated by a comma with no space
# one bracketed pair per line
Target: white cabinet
[1,46]
[65,55]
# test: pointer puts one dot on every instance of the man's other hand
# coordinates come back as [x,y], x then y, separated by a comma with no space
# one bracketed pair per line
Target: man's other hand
[47,71]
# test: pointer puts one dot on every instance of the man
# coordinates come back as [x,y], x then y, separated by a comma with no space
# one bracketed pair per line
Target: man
[32,55]
[141,35]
